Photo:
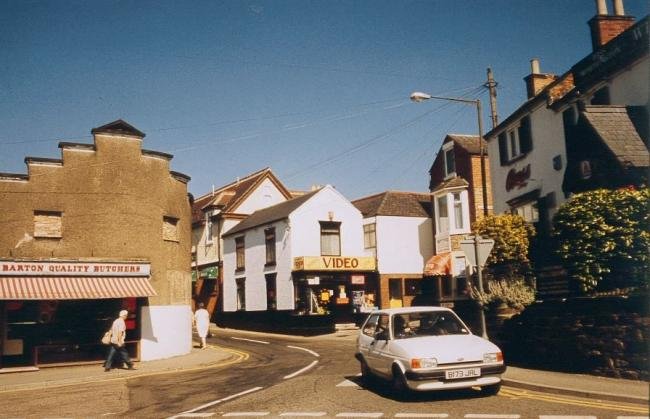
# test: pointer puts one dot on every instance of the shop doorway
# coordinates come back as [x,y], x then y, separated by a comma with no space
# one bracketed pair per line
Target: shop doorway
[395,292]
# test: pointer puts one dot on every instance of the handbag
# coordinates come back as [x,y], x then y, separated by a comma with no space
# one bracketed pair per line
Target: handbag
[106,339]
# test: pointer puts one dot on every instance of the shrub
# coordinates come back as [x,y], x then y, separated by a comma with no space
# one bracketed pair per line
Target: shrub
[514,293]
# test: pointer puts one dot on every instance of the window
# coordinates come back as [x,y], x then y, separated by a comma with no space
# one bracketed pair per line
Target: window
[412,287]
[208,229]
[240,251]
[269,240]
[241,293]
[330,238]
[271,297]
[48,224]
[170,229]
[528,212]
[515,142]
[458,211]
[369,236]
[450,161]
[443,218]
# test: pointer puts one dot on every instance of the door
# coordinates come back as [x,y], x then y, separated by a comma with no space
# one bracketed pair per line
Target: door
[378,357]
[395,292]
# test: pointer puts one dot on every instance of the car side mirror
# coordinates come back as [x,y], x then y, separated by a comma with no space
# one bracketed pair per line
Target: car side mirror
[381,335]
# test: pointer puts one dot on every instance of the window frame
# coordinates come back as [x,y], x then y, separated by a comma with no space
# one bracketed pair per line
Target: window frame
[370,236]
[270,246]
[240,294]
[240,253]
[330,229]
[449,160]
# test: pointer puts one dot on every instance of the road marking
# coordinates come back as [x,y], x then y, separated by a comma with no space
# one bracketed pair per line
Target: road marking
[599,404]
[304,349]
[565,417]
[359,415]
[488,416]
[632,417]
[246,414]
[347,383]
[421,415]
[196,415]
[303,414]
[300,371]
[251,340]
[204,406]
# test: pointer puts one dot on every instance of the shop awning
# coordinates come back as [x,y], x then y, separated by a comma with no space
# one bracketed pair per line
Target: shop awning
[438,265]
[73,288]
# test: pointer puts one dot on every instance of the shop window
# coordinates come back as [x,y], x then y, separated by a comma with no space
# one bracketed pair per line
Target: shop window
[369,236]
[241,293]
[48,224]
[271,297]
[240,252]
[269,240]
[412,287]
[170,229]
[330,238]
[450,161]
[515,142]
[447,287]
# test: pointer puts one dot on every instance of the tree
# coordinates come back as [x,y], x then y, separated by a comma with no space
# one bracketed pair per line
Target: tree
[512,236]
[603,238]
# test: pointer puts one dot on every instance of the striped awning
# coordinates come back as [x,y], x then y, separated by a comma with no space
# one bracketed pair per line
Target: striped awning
[438,265]
[73,287]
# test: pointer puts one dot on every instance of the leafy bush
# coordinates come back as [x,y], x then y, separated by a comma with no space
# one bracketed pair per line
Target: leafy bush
[603,238]
[512,236]
[512,292]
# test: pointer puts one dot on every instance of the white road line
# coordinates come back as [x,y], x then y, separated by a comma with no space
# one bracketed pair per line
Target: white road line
[303,414]
[421,415]
[300,371]
[359,415]
[246,414]
[195,415]
[304,349]
[565,417]
[632,417]
[251,340]
[204,406]
[488,416]
[347,383]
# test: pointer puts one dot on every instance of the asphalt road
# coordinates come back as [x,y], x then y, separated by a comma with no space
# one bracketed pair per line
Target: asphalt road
[290,377]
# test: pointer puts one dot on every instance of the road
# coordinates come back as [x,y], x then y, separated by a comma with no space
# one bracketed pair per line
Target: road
[290,377]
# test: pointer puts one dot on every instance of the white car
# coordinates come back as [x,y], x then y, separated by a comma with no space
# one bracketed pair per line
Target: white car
[427,348]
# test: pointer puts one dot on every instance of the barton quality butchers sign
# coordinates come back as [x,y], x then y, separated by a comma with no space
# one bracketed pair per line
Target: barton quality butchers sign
[33,268]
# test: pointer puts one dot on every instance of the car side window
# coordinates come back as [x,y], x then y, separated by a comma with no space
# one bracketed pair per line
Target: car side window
[371,326]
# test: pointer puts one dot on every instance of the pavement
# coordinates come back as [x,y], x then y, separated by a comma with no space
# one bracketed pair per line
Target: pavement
[580,385]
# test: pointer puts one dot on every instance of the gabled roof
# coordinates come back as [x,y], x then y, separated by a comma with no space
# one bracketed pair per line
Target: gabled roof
[228,197]
[270,214]
[455,182]
[395,203]
[468,142]
[118,127]
[616,129]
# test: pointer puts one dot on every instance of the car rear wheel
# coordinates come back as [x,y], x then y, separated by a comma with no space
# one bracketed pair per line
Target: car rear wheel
[492,390]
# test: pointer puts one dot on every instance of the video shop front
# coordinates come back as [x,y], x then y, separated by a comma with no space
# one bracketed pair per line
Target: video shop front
[55,312]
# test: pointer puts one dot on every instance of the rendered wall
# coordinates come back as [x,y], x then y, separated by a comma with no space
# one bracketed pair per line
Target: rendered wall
[166,331]
[404,244]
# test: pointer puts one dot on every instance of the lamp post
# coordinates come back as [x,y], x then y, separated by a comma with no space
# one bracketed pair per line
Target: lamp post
[421,97]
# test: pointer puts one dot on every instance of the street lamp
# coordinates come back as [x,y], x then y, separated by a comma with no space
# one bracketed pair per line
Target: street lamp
[421,97]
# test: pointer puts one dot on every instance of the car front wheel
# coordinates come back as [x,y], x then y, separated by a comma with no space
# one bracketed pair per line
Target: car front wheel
[492,390]
[365,370]
[398,383]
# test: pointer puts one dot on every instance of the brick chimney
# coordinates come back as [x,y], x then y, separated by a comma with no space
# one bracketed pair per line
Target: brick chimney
[604,27]
[536,81]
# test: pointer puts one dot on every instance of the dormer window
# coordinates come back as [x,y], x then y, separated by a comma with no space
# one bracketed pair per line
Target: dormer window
[450,161]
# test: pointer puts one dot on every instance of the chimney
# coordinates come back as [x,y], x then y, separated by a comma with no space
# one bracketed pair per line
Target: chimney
[536,81]
[604,27]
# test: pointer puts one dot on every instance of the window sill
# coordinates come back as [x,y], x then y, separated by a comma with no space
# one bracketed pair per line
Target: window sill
[269,264]
[515,159]
[240,270]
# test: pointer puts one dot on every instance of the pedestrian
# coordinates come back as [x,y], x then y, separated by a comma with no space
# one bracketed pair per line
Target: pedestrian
[118,335]
[202,323]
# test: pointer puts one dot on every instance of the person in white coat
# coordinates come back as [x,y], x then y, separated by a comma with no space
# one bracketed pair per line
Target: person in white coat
[202,323]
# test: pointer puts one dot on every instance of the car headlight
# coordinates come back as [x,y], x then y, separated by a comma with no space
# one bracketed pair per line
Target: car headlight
[492,357]
[424,363]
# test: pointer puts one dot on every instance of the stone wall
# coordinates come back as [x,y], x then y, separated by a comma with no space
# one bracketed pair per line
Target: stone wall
[607,336]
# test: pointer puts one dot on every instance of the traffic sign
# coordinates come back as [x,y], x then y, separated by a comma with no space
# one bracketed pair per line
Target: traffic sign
[477,246]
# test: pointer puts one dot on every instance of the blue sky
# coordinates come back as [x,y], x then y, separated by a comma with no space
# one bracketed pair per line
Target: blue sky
[317,90]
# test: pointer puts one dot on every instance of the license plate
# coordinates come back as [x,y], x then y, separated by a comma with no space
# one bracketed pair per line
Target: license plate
[464,373]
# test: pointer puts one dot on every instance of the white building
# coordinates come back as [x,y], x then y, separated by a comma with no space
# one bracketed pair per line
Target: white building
[305,255]
[581,130]
[398,231]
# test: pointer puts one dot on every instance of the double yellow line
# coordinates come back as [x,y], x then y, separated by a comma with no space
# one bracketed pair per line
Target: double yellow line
[515,394]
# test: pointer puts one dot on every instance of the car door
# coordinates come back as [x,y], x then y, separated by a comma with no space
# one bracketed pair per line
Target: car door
[378,348]
[367,335]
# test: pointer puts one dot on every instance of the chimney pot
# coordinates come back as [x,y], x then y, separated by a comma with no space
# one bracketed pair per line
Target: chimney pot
[534,66]
[601,6]
[619,10]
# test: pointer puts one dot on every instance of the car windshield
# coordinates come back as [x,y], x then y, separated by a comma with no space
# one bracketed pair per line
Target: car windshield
[427,323]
